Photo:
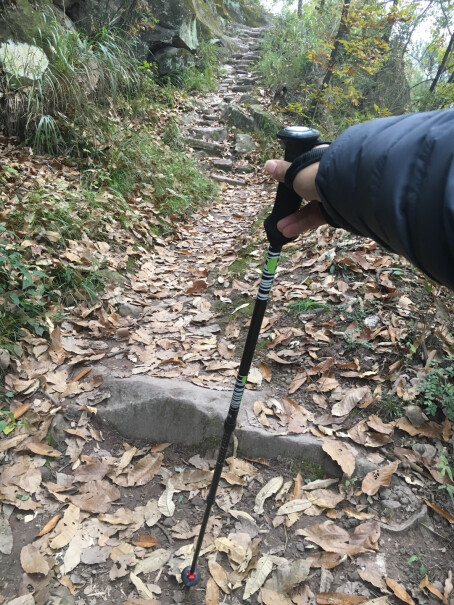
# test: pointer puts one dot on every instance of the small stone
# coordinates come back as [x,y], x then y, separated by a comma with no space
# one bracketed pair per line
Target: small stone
[5,359]
[300,547]
[94,555]
[76,579]
[178,596]
[415,415]
[244,143]
[353,588]
[225,179]
[426,450]
[198,501]
[210,133]
[169,522]
[245,168]
[128,310]
[386,493]
[350,523]
[391,504]
[353,576]
[438,585]
[214,148]
[372,321]
[123,333]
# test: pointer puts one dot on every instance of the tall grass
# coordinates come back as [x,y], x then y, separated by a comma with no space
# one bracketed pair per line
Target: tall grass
[50,111]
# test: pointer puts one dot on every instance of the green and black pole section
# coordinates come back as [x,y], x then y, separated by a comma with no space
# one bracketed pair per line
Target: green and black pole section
[297,140]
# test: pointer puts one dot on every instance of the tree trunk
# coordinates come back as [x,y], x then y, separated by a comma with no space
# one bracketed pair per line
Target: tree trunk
[300,8]
[341,32]
[442,66]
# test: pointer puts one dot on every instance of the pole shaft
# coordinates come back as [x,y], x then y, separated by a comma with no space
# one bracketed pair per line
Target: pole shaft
[261,301]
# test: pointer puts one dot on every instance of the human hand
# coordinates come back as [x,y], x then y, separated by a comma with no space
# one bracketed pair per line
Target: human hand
[308,216]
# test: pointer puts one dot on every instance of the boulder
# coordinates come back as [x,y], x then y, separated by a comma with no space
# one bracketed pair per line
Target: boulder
[244,144]
[171,59]
[234,116]
[264,120]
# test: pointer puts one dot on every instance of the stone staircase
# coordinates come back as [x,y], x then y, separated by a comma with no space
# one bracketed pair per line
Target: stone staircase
[220,130]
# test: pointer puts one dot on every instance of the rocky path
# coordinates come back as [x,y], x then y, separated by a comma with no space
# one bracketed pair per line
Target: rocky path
[292,532]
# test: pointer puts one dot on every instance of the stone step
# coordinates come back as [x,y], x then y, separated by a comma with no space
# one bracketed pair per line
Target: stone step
[210,117]
[226,179]
[242,63]
[242,88]
[204,123]
[211,133]
[251,28]
[213,148]
[249,80]
[244,168]
[223,164]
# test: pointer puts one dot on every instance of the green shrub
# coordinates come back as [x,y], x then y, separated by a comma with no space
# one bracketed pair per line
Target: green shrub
[437,390]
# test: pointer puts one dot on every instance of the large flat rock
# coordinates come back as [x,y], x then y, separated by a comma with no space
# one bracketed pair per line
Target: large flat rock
[163,410]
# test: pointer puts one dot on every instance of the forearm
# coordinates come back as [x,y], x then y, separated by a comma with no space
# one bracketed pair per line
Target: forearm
[393,180]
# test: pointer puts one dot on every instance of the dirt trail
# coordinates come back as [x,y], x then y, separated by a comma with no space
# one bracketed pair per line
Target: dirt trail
[132,511]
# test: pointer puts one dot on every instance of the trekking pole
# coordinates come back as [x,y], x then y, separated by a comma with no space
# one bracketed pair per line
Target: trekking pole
[297,140]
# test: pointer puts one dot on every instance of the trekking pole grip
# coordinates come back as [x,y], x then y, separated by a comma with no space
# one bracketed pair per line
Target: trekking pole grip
[297,140]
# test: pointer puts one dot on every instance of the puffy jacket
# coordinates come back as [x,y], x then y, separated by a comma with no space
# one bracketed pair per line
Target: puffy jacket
[392,179]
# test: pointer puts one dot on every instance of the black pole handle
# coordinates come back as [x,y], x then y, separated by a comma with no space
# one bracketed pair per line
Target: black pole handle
[297,140]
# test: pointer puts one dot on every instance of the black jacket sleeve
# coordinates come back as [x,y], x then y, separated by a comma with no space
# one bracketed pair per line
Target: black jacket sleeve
[392,179]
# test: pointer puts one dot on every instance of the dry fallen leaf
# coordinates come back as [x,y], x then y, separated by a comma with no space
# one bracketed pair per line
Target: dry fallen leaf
[219,575]
[271,597]
[331,538]
[20,411]
[328,560]
[342,453]
[66,528]
[6,536]
[32,560]
[258,576]
[268,490]
[140,587]
[145,541]
[426,583]
[380,477]
[49,525]
[351,399]
[339,598]
[152,562]
[440,511]
[399,591]
[42,449]
[211,593]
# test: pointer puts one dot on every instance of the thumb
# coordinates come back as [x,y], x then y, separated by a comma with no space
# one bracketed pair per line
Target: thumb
[277,169]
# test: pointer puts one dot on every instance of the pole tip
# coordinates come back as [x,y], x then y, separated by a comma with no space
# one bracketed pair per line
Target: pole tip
[189,577]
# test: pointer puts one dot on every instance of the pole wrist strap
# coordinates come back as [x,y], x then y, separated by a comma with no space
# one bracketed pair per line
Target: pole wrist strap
[303,161]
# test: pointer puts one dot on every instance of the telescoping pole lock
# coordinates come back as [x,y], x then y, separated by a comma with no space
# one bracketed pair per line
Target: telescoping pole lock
[297,140]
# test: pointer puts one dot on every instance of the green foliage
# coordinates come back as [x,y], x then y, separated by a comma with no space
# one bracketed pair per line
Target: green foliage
[444,468]
[330,73]
[437,390]
[8,423]
[305,304]
[202,77]
[418,559]
[138,158]
[51,110]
